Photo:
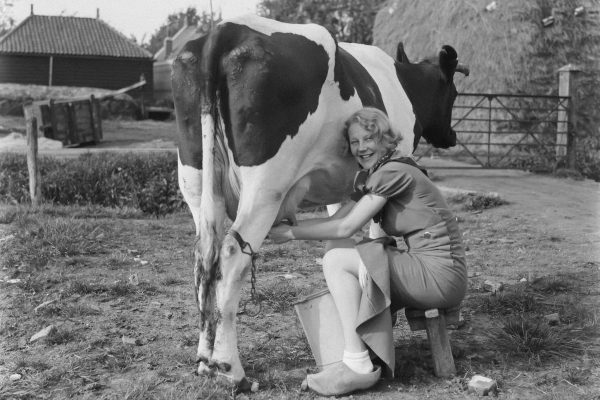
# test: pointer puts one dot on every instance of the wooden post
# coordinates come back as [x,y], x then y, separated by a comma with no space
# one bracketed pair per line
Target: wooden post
[50,70]
[35,185]
[142,106]
[566,120]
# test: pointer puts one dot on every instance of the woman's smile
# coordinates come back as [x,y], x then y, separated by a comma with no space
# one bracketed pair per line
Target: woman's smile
[365,146]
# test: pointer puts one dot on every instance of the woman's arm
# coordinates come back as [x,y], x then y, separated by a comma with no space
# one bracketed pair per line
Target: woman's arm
[342,212]
[354,218]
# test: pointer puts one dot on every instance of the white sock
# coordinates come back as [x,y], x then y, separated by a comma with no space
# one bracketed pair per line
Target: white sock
[358,362]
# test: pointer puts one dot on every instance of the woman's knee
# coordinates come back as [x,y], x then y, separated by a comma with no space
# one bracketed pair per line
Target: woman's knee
[340,260]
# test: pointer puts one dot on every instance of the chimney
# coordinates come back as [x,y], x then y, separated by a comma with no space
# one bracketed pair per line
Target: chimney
[97,13]
[32,9]
[168,46]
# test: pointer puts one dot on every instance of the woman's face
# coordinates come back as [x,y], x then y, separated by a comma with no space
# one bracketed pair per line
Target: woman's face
[364,146]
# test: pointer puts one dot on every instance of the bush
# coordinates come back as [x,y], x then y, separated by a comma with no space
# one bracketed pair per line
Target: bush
[144,181]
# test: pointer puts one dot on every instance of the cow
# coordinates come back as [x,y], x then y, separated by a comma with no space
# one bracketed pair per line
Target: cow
[260,108]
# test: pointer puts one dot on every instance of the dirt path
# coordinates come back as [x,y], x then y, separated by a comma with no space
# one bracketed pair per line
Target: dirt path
[564,206]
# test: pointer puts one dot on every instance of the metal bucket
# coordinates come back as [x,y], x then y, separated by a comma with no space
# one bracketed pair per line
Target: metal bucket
[322,326]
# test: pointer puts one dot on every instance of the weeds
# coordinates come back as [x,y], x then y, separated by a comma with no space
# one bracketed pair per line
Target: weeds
[472,201]
[61,336]
[144,182]
[280,295]
[116,289]
[552,284]
[511,301]
[534,339]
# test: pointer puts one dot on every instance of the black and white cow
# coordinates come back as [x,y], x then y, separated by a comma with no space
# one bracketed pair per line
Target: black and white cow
[260,109]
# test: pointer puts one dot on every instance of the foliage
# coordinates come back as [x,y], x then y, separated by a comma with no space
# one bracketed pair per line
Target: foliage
[512,45]
[6,22]
[347,20]
[145,182]
[177,21]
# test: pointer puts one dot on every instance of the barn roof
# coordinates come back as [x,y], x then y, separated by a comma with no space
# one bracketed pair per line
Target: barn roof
[185,34]
[69,36]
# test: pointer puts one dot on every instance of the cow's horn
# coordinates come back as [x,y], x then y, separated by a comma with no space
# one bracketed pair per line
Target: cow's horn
[464,69]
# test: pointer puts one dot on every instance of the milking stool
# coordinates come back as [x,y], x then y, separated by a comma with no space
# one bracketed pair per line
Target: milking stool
[435,322]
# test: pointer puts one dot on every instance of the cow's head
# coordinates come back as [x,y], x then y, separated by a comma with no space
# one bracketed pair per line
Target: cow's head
[430,88]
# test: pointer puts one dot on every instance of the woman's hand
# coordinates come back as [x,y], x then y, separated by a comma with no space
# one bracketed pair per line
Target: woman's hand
[281,233]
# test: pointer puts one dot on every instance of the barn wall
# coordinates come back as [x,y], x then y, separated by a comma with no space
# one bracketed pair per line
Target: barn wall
[107,73]
[24,69]
[162,81]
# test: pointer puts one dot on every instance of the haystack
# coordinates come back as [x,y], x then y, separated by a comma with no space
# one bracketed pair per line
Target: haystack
[505,43]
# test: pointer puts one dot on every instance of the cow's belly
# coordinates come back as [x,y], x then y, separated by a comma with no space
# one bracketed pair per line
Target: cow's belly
[331,184]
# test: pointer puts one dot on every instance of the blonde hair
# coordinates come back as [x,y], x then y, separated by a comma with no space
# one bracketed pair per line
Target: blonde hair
[376,122]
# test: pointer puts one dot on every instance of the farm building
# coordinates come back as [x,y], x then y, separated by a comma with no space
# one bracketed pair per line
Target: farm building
[72,51]
[511,46]
[163,59]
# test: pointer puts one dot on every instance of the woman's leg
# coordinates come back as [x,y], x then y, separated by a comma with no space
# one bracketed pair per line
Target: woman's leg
[340,266]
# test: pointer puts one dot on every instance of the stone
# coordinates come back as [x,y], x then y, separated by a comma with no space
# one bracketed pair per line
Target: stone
[254,387]
[43,333]
[134,280]
[130,341]
[482,385]
[15,377]
[491,286]
[552,319]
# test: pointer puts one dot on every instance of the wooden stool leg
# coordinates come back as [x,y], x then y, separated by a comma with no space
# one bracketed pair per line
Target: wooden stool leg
[443,362]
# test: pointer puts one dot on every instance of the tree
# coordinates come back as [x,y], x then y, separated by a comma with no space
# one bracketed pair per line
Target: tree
[176,21]
[347,20]
[6,21]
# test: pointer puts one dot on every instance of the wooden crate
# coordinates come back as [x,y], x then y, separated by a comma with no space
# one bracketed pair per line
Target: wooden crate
[72,121]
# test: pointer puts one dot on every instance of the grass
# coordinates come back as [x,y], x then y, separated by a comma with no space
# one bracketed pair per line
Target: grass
[96,305]
[533,338]
[472,201]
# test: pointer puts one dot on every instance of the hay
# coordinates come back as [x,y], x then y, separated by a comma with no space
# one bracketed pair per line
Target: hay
[508,49]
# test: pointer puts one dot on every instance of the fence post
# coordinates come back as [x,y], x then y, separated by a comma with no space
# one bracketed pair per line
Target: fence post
[565,127]
[35,184]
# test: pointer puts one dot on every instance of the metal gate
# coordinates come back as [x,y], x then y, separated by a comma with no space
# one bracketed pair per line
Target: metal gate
[505,131]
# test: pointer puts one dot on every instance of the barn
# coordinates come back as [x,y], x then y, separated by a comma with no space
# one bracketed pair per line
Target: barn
[164,58]
[72,51]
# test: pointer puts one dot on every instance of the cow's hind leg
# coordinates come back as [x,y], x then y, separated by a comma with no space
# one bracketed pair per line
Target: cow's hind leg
[190,184]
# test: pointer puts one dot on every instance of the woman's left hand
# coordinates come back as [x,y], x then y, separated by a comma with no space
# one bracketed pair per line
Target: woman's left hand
[281,233]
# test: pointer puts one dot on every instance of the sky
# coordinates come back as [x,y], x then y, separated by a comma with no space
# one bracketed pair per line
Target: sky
[138,18]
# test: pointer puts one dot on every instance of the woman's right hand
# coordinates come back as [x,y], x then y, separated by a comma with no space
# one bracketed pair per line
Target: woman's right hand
[281,233]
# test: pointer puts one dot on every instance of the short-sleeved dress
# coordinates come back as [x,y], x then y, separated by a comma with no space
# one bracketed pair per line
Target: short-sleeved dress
[430,274]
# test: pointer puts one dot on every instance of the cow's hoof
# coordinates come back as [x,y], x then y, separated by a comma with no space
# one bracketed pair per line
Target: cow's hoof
[205,370]
[304,385]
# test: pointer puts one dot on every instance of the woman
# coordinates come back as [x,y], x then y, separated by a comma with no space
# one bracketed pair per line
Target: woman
[373,278]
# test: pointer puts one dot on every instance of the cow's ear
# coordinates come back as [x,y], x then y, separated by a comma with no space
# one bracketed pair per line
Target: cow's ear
[401,55]
[448,61]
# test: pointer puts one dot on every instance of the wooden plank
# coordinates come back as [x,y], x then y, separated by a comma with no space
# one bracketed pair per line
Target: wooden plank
[72,125]
[443,362]
[97,119]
